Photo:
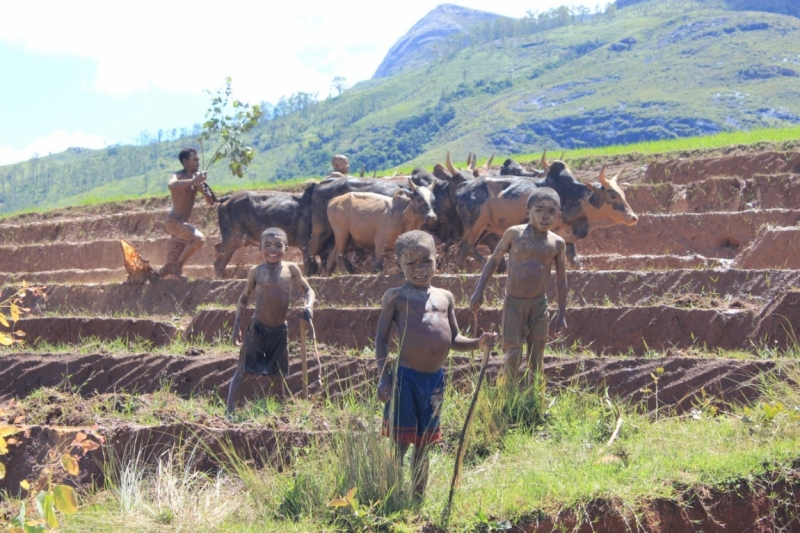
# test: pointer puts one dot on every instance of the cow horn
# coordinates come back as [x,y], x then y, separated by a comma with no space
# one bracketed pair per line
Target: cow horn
[412,185]
[603,180]
[449,164]
[489,162]
[472,160]
[544,164]
[615,178]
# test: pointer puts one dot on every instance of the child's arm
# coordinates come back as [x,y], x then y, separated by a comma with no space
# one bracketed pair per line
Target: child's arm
[461,343]
[489,268]
[241,305]
[297,277]
[382,345]
[561,285]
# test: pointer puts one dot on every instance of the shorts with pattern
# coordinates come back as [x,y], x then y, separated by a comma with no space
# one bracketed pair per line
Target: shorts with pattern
[524,320]
[265,351]
[417,405]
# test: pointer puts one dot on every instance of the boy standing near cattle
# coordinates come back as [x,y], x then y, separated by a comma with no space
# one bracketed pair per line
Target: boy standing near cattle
[532,251]
[265,347]
[427,329]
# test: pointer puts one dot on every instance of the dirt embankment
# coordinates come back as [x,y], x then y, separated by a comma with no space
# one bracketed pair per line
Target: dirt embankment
[603,330]
[709,234]
[727,380]
[716,194]
[741,165]
[776,247]
[204,448]
[713,288]
[753,507]
[76,330]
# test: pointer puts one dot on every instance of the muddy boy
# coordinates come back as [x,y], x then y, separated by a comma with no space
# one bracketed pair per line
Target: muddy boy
[427,330]
[265,348]
[532,251]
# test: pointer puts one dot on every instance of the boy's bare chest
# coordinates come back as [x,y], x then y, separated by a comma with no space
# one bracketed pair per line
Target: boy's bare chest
[274,278]
[526,247]
[431,308]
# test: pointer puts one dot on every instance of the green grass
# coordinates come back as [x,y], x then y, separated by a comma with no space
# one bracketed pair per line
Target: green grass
[518,466]
[673,83]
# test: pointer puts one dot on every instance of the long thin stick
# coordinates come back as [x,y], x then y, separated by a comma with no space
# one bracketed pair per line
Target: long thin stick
[462,440]
[304,358]
[316,352]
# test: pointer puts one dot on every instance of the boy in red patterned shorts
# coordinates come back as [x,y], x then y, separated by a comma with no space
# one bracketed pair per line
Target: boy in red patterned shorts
[427,330]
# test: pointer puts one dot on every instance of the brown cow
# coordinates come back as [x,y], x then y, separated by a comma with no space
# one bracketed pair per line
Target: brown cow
[494,204]
[374,221]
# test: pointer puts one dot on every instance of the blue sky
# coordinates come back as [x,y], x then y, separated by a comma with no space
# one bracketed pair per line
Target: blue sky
[93,73]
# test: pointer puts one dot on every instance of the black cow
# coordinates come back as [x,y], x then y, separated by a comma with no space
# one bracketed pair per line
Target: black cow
[512,168]
[492,205]
[244,215]
[443,184]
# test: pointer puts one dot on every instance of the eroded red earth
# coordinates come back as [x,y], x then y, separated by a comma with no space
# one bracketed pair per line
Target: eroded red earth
[712,267]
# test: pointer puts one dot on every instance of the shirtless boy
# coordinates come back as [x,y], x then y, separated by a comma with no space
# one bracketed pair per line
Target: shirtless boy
[427,330]
[183,187]
[265,347]
[532,250]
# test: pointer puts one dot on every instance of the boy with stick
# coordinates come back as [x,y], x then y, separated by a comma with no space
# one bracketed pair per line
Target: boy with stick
[265,348]
[532,250]
[427,329]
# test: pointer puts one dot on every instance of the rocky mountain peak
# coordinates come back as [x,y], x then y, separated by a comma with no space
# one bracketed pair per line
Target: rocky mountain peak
[418,46]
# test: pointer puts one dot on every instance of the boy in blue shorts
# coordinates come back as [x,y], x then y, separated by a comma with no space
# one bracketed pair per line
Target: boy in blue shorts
[427,330]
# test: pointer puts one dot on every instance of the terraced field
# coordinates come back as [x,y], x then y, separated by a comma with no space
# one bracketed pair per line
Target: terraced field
[706,286]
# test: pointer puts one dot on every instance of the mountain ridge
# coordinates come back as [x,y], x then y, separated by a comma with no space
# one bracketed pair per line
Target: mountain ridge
[649,71]
[418,46]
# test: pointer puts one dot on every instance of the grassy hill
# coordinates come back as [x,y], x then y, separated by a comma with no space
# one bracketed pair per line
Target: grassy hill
[646,71]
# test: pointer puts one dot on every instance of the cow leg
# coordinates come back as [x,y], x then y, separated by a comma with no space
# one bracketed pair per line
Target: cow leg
[572,256]
[225,251]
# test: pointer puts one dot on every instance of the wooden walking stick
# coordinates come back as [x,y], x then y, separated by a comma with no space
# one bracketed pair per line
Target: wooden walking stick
[304,357]
[463,439]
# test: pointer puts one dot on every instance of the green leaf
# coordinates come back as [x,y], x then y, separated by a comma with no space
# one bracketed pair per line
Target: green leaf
[70,464]
[65,499]
[40,502]
[6,339]
[50,510]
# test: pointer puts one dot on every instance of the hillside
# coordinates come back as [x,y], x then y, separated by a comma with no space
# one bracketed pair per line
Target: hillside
[650,70]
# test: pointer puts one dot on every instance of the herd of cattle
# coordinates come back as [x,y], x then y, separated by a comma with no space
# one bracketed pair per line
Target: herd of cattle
[457,206]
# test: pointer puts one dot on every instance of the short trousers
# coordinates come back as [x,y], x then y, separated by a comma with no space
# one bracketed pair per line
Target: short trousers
[183,231]
[417,405]
[265,351]
[524,320]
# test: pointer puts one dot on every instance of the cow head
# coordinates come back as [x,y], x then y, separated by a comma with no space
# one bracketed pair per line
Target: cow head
[609,198]
[512,168]
[421,200]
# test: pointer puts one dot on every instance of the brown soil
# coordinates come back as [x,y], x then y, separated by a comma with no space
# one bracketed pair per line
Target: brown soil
[603,330]
[723,379]
[755,507]
[709,234]
[205,447]
[716,194]
[178,297]
[776,247]
[740,165]
[75,330]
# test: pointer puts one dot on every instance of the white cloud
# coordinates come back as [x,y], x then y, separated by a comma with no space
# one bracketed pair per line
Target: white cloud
[270,49]
[52,143]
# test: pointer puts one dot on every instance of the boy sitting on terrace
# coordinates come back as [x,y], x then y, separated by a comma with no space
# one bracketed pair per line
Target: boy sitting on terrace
[532,250]
[427,330]
[265,348]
